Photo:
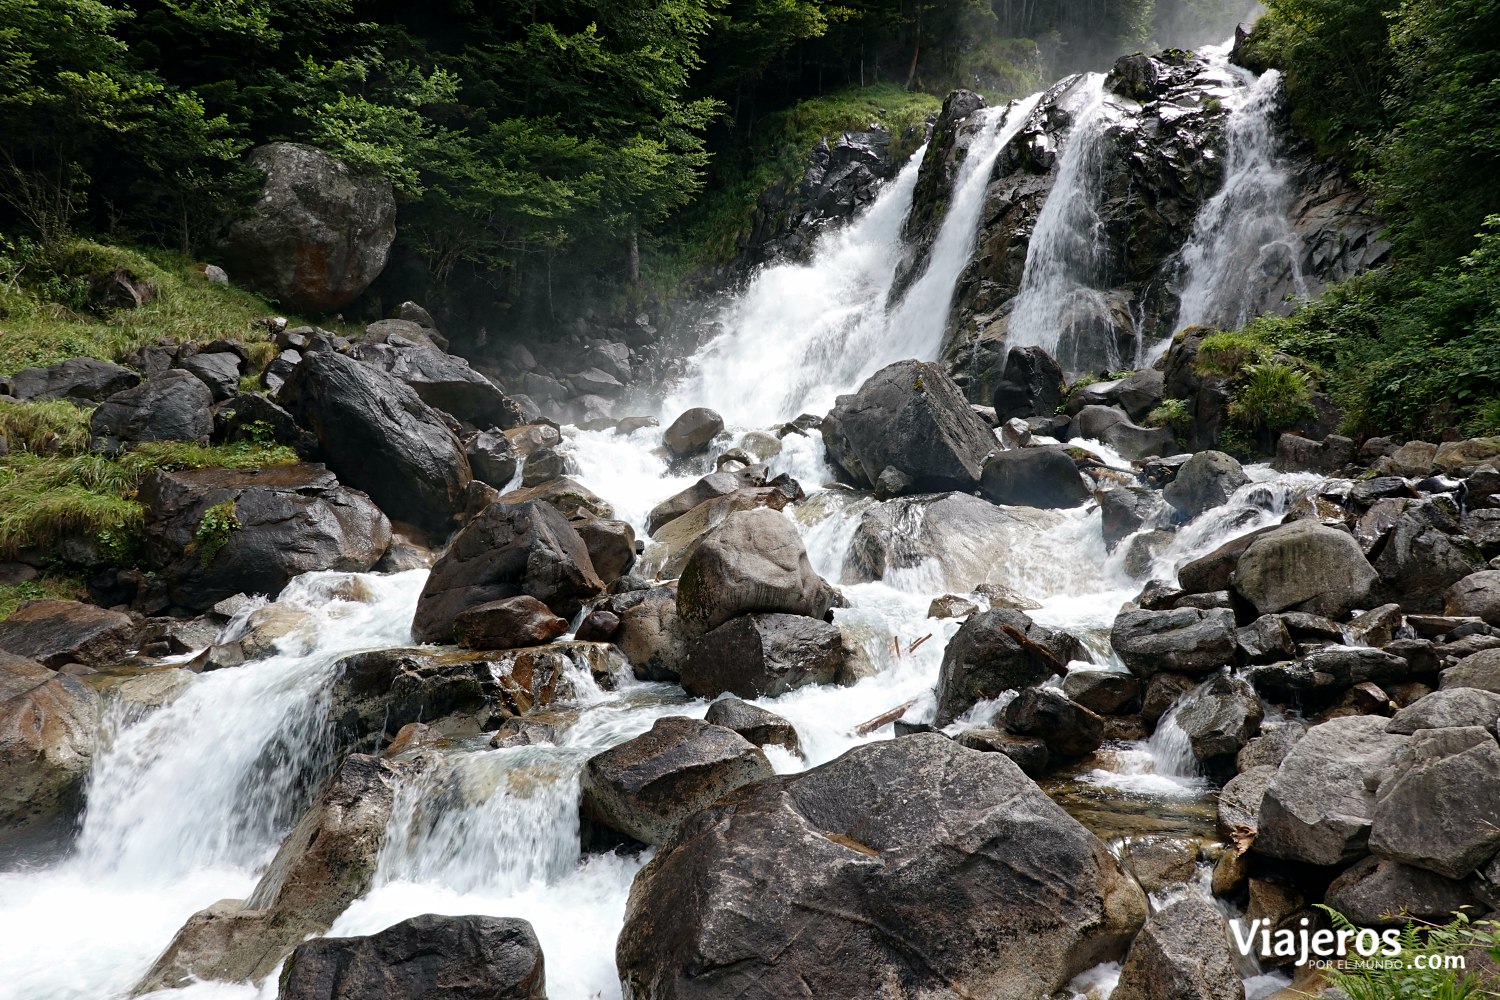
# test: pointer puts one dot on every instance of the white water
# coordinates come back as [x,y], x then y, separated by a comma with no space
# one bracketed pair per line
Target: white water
[1243,246]
[188,804]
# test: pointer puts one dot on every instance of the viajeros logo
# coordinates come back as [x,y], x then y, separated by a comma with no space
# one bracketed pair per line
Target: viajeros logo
[1326,947]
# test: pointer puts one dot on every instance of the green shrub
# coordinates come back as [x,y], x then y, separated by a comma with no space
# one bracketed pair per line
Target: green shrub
[1172,414]
[218,523]
[1227,354]
[48,585]
[1410,974]
[1273,397]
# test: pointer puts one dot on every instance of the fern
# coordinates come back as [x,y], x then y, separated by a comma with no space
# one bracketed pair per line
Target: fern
[1408,976]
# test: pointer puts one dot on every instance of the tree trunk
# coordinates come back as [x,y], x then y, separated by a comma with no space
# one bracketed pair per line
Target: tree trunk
[635,257]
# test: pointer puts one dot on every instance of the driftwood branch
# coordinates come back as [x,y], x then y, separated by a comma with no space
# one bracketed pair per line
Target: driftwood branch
[866,728]
[1040,652]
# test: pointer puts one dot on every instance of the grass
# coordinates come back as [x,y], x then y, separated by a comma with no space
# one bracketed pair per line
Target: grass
[48,585]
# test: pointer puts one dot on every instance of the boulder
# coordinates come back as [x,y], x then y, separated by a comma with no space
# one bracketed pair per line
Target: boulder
[1029,754]
[1031,386]
[1437,809]
[1220,718]
[1330,669]
[48,725]
[610,544]
[1182,953]
[1124,510]
[286,520]
[651,635]
[909,416]
[219,370]
[674,543]
[251,416]
[319,233]
[1139,394]
[456,958]
[172,406]
[1455,706]
[647,787]
[1271,746]
[1476,595]
[76,379]
[445,382]
[1182,640]
[1380,893]
[763,656]
[1240,799]
[995,652]
[893,879]
[1421,556]
[56,633]
[1108,692]
[752,562]
[492,458]
[1033,477]
[714,485]
[1205,481]
[1067,728]
[1304,566]
[1477,670]
[506,551]
[378,436]
[1319,807]
[754,723]
[507,624]
[564,493]
[691,432]
[1265,640]
[1211,573]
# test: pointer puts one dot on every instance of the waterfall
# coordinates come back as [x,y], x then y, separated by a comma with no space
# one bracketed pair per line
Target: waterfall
[1060,306]
[1244,254]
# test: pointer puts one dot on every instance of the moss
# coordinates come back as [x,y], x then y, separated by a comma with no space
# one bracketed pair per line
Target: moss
[49,585]
[1226,354]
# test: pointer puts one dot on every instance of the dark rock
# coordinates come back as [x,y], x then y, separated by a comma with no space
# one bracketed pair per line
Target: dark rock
[458,958]
[1183,640]
[289,520]
[507,624]
[994,652]
[1265,640]
[1378,893]
[1108,692]
[691,432]
[220,371]
[320,231]
[379,437]
[1181,954]
[1422,556]
[1031,385]
[911,417]
[1162,692]
[1212,572]
[651,635]
[172,406]
[1309,628]
[506,551]
[598,626]
[1476,595]
[611,544]
[951,606]
[1029,754]
[253,417]
[874,845]
[754,723]
[566,495]
[763,656]
[492,458]
[542,466]
[1437,810]
[1139,394]
[1124,510]
[1304,567]
[443,381]
[79,379]
[1068,729]
[1033,477]
[49,723]
[714,485]
[1220,718]
[1205,481]
[56,633]
[647,787]
[520,733]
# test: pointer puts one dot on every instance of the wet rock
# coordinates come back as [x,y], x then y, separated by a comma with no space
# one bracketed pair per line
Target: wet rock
[598,626]
[1455,706]
[1220,718]
[1304,567]
[1031,385]
[1378,893]
[911,417]
[1124,511]
[492,458]
[651,634]
[675,542]
[1376,627]
[1476,595]
[443,381]
[752,562]
[378,436]
[994,652]
[1205,481]
[522,733]
[1029,754]
[1320,805]
[647,787]
[716,484]
[1162,692]
[543,466]
[1300,454]
[1212,572]
[1437,810]
[48,726]
[1139,394]
[951,606]
[610,544]
[1068,729]
[691,432]
[874,845]
[755,724]
[1240,799]
[1160,863]
[76,379]
[1181,954]
[763,656]
[287,520]
[1108,692]
[507,624]
[56,633]
[506,551]
[1331,669]
[1478,670]
[320,232]
[172,406]
[1033,477]
[457,958]
[1183,640]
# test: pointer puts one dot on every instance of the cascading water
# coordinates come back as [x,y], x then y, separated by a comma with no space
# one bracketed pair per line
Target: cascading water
[1244,254]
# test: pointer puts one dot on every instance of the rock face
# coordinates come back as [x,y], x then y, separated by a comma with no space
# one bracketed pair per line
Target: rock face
[56,633]
[763,656]
[909,416]
[171,406]
[1476,595]
[646,787]
[752,562]
[1438,810]
[379,437]
[1181,954]
[457,958]
[995,652]
[1304,566]
[506,551]
[1033,477]
[290,519]
[893,880]
[319,234]
[48,723]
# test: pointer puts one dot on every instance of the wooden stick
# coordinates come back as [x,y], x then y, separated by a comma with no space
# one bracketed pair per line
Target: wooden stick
[1041,652]
[866,728]
[913,647]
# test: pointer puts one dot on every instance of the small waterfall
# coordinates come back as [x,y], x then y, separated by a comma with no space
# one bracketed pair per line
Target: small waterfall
[1170,747]
[1244,255]
[1060,306]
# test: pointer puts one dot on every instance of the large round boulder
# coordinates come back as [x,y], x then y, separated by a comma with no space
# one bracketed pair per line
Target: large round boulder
[76,379]
[763,656]
[910,867]
[1205,481]
[1033,477]
[691,432]
[48,724]
[455,958]
[1304,566]
[505,551]
[754,561]
[379,437]
[1476,595]
[172,406]
[319,234]
[1181,640]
